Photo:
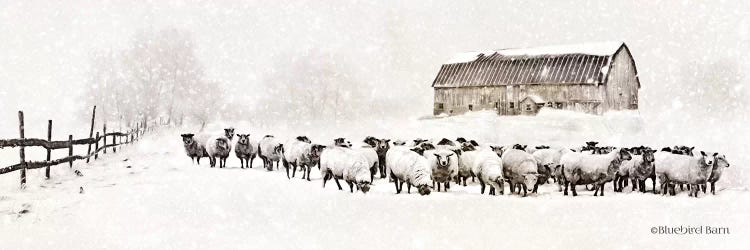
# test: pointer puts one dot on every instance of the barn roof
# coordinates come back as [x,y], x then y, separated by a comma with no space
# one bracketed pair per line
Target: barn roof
[586,63]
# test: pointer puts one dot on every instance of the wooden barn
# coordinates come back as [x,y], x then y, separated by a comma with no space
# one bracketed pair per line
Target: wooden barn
[592,78]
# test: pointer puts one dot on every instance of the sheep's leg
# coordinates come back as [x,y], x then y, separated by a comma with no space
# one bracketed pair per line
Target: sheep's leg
[566,188]
[626,183]
[199,161]
[351,186]
[601,193]
[395,182]
[438,185]
[447,185]
[287,170]
[325,179]
[465,177]
[682,188]
[713,188]
[337,182]
[617,181]
[535,188]
[408,187]
[573,189]
[481,185]
[294,168]
[596,190]
[703,187]
[492,190]
[400,186]
[523,185]
[309,169]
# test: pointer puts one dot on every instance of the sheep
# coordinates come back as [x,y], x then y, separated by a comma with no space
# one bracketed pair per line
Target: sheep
[721,163]
[444,165]
[246,149]
[270,151]
[299,152]
[447,142]
[584,169]
[548,160]
[487,166]
[674,169]
[464,165]
[533,149]
[193,148]
[638,168]
[341,142]
[218,147]
[405,165]
[373,160]
[520,168]
[381,148]
[345,163]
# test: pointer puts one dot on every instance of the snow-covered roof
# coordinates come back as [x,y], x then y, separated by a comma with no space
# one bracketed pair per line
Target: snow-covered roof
[594,49]
[534,98]
[586,63]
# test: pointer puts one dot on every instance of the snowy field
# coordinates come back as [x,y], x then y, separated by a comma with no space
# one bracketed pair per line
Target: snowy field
[150,196]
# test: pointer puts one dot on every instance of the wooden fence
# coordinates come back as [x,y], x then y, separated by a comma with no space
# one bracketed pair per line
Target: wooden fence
[116,139]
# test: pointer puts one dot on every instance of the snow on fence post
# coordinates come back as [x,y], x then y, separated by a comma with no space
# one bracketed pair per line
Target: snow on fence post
[70,150]
[21,150]
[96,149]
[91,132]
[104,135]
[49,151]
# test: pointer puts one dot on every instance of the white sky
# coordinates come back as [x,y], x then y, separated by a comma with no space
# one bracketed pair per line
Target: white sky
[45,45]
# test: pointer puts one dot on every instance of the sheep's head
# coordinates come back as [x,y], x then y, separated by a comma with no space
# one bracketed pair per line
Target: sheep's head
[222,143]
[591,143]
[315,152]
[443,159]
[427,146]
[648,155]
[364,186]
[498,150]
[303,139]
[721,161]
[419,141]
[687,150]
[372,141]
[341,142]
[461,140]
[399,143]
[625,155]
[383,145]
[424,189]
[229,133]
[187,139]
[445,141]
[530,180]
[279,149]
[520,147]
[243,139]
[709,158]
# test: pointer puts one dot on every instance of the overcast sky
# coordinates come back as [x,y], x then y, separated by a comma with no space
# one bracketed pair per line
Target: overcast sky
[45,46]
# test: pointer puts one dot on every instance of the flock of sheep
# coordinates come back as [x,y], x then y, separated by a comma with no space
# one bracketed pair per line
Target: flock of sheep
[432,164]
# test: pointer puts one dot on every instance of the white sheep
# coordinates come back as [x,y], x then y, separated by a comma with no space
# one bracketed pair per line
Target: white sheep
[488,167]
[299,152]
[444,164]
[583,169]
[520,168]
[674,169]
[405,165]
[193,148]
[218,147]
[270,150]
[721,164]
[246,149]
[373,161]
[345,163]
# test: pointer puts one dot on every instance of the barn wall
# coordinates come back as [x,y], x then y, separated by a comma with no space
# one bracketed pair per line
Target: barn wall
[622,84]
[578,97]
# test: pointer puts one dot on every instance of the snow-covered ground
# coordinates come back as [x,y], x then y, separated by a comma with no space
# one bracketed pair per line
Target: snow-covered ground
[149,195]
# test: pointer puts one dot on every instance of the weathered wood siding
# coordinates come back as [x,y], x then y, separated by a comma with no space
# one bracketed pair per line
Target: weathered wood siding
[622,84]
[578,97]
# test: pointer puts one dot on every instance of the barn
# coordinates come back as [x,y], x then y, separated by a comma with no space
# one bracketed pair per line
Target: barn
[591,78]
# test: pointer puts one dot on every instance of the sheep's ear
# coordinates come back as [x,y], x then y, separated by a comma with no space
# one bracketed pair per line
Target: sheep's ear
[436,155]
[715,154]
[703,153]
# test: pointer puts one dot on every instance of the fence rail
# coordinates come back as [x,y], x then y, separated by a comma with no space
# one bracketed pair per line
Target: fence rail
[124,138]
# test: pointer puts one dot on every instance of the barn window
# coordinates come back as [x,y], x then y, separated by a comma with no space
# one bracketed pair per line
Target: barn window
[439,106]
[471,107]
[510,105]
[497,104]
[528,107]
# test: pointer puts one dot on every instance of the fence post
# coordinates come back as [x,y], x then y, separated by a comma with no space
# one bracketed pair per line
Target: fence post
[91,132]
[70,150]
[49,151]
[22,151]
[96,150]
[114,142]
[104,136]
